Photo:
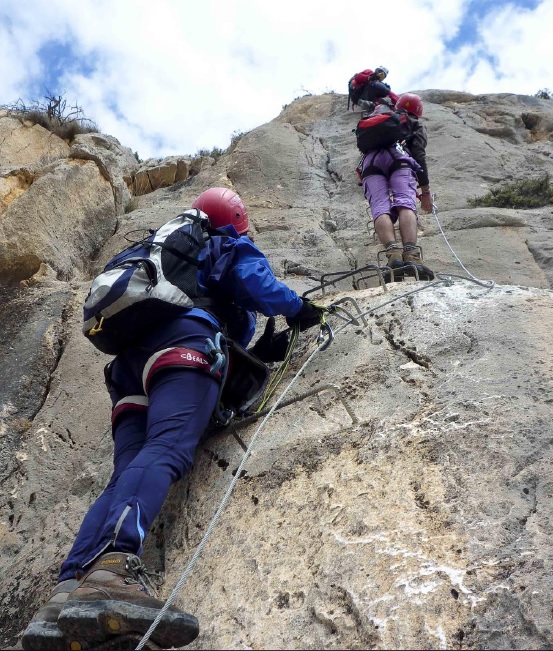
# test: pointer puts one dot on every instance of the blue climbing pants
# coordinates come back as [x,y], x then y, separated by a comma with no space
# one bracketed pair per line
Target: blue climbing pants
[161,408]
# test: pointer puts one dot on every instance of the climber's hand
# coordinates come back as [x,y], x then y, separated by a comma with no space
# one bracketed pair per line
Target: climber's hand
[426,202]
[310,315]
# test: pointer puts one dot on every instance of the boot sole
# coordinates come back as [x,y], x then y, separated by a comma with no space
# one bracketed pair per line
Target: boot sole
[424,274]
[42,635]
[120,643]
[84,621]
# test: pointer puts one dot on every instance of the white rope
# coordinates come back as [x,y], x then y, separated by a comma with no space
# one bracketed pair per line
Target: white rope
[485,283]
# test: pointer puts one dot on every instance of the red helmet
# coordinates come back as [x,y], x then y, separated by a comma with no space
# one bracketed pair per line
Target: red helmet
[223,207]
[411,103]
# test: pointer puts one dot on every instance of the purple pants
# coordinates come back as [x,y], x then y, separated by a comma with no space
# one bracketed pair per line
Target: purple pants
[391,188]
[153,446]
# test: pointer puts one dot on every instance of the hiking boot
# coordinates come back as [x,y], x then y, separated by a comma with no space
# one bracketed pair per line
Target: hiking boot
[412,259]
[113,598]
[398,269]
[395,262]
[42,631]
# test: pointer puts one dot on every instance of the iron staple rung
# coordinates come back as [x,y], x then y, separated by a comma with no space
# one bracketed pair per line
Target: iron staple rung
[302,396]
[342,275]
[350,299]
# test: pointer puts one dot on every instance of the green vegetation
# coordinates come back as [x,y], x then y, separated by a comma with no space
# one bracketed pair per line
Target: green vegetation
[524,193]
[217,152]
[214,153]
[53,114]
[544,93]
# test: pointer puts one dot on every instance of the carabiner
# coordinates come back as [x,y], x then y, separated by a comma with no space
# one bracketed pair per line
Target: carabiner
[215,353]
[325,328]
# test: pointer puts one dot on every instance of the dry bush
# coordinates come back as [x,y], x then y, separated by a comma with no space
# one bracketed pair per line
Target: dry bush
[53,114]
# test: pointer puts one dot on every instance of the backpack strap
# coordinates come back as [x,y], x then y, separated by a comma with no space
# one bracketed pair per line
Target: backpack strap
[179,254]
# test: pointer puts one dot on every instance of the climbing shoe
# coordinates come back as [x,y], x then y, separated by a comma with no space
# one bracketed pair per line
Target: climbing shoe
[113,598]
[412,260]
[42,631]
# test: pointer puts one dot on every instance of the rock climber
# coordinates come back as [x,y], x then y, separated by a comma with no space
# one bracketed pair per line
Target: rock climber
[161,407]
[367,88]
[390,179]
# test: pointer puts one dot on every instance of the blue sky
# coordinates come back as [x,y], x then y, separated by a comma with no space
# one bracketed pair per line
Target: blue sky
[173,77]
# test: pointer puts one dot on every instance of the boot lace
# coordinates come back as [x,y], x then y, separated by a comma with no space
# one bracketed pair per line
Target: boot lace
[149,580]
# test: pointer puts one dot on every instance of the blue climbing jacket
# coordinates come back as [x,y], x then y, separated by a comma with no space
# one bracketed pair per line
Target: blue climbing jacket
[234,268]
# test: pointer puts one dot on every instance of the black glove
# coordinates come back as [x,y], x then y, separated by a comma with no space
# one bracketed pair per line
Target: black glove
[309,316]
[270,347]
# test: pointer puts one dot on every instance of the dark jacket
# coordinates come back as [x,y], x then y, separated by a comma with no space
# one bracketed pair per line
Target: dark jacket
[374,90]
[416,143]
[235,271]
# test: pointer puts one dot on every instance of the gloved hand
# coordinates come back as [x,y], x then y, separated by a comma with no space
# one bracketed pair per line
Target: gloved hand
[270,347]
[308,317]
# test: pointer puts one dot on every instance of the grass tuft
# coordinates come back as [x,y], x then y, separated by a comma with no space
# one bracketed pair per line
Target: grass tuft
[524,193]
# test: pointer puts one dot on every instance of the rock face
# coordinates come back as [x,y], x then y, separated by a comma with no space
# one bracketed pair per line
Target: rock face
[402,499]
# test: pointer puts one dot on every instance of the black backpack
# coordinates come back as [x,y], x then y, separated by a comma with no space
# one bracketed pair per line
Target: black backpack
[381,129]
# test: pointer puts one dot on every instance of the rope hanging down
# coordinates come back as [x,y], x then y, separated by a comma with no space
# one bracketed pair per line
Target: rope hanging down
[484,283]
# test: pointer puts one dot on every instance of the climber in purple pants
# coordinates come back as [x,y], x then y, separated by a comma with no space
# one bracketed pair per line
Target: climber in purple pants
[391,176]
[395,187]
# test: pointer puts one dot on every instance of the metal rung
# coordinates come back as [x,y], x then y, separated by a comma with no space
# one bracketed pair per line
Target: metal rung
[302,396]
[341,275]
[350,299]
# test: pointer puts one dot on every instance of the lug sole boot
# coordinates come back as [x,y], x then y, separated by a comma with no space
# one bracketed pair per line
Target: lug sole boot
[95,624]
[123,643]
[412,260]
[112,599]
[43,631]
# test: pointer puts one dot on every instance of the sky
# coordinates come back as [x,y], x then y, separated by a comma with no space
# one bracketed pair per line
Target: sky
[172,77]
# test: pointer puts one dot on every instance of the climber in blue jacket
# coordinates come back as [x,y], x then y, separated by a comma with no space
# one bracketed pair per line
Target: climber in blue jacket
[163,395]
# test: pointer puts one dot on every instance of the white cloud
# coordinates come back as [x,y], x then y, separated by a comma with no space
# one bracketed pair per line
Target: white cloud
[174,77]
[521,43]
